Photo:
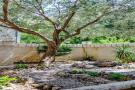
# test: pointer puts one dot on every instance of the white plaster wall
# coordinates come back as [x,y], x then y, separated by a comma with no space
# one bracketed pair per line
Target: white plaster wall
[10,53]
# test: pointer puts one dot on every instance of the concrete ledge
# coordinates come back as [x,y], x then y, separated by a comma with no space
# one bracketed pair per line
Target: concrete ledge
[69,45]
[110,86]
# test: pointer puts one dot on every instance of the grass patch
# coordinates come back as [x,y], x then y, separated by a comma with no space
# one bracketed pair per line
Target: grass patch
[5,80]
[81,71]
[116,76]
[21,66]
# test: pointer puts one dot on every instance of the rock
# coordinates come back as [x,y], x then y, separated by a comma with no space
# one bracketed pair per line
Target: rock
[47,87]
[10,67]
[56,88]
[119,67]
[91,63]
[90,66]
[8,72]
[62,74]
[79,65]
[37,85]
[105,64]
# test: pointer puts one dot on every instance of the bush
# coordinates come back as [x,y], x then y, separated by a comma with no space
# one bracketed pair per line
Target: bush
[108,39]
[25,38]
[62,50]
[5,80]
[77,71]
[93,74]
[21,66]
[80,71]
[116,76]
[41,48]
[125,54]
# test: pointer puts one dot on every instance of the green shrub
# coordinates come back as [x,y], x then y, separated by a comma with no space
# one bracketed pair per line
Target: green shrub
[5,80]
[21,66]
[125,54]
[81,71]
[116,76]
[41,48]
[25,38]
[77,71]
[76,40]
[91,73]
[62,50]
[108,39]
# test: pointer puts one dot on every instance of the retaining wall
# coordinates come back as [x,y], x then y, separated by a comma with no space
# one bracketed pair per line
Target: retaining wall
[12,52]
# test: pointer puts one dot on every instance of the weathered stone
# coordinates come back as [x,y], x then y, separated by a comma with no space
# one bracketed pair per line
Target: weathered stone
[47,87]
[38,85]
[126,85]
[56,88]
[90,66]
[7,35]
[105,64]
[79,65]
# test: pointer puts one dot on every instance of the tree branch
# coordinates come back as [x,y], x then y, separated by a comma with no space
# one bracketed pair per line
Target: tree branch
[78,30]
[70,16]
[5,9]
[94,21]
[12,25]
[7,23]
[42,13]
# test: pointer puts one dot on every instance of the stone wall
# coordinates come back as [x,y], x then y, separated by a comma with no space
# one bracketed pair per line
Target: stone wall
[7,35]
[10,53]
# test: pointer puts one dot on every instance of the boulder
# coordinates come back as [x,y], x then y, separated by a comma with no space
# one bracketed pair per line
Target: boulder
[89,66]
[105,64]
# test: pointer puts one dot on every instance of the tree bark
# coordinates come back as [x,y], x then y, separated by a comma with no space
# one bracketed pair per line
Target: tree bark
[49,56]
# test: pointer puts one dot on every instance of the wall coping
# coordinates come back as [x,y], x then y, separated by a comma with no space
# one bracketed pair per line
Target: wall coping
[68,45]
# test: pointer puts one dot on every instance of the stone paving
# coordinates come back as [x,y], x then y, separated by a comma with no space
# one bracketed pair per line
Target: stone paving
[47,75]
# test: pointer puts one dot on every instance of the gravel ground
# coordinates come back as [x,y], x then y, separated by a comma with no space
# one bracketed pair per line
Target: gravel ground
[46,76]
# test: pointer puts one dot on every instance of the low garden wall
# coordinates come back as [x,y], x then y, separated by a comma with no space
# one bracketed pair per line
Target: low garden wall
[12,52]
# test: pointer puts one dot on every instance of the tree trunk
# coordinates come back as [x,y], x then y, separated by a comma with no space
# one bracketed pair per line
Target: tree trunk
[49,56]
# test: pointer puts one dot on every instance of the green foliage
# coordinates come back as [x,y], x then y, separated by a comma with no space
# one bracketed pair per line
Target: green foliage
[5,80]
[100,40]
[116,76]
[75,40]
[91,73]
[25,38]
[132,39]
[125,54]
[62,50]
[21,66]
[77,71]
[78,40]
[81,71]
[41,48]
[107,39]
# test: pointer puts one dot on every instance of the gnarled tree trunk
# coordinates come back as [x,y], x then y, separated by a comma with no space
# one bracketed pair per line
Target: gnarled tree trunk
[49,56]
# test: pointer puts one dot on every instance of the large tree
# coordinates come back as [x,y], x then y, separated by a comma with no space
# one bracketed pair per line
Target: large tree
[61,16]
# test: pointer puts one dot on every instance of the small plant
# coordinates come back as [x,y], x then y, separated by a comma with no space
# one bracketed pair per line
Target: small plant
[41,48]
[62,74]
[21,66]
[81,71]
[93,74]
[116,76]
[63,50]
[125,54]
[5,80]
[77,71]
